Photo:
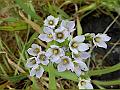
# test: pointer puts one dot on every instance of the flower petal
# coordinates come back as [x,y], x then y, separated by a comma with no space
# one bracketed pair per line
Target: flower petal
[30,52]
[61,68]
[44,37]
[78,71]
[35,46]
[40,72]
[71,24]
[84,55]
[32,72]
[45,62]
[104,37]
[79,38]
[70,66]
[102,44]
[83,47]
[55,59]
[48,30]
[83,66]
[88,86]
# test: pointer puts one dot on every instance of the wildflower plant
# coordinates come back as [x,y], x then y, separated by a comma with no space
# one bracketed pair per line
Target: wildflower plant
[64,52]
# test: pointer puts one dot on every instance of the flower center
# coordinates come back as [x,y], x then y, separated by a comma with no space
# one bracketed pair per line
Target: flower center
[33,61]
[42,57]
[82,83]
[51,22]
[60,35]
[74,45]
[38,68]
[37,50]
[65,61]
[50,35]
[55,51]
[97,39]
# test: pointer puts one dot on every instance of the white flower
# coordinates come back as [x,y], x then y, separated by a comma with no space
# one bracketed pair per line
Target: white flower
[61,34]
[65,64]
[100,39]
[80,56]
[51,21]
[48,36]
[76,44]
[43,58]
[80,67]
[34,50]
[85,84]
[31,62]
[69,25]
[37,71]
[55,52]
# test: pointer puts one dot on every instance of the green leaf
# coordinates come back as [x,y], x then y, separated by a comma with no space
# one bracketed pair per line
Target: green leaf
[105,83]
[34,85]
[61,12]
[14,26]
[67,75]
[31,40]
[104,71]
[27,9]
[15,79]
[10,19]
[52,81]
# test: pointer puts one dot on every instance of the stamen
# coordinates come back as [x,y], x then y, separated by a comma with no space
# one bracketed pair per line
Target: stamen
[75,45]
[33,61]
[82,83]
[65,61]
[37,50]
[42,57]
[97,39]
[50,35]
[55,51]
[51,22]
[60,35]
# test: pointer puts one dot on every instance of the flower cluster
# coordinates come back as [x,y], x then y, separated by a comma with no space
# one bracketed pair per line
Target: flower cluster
[64,50]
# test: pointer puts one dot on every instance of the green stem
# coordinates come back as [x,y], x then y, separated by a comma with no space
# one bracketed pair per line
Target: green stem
[104,71]
[87,8]
[79,28]
[52,81]
[105,83]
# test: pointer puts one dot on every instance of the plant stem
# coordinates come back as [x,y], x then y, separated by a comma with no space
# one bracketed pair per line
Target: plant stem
[52,81]
[79,28]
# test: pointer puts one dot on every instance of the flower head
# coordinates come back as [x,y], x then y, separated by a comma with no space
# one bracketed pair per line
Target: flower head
[69,25]
[100,39]
[31,62]
[48,35]
[55,52]
[61,34]
[51,21]
[65,64]
[43,58]
[80,67]
[85,84]
[37,71]
[34,50]
[76,44]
